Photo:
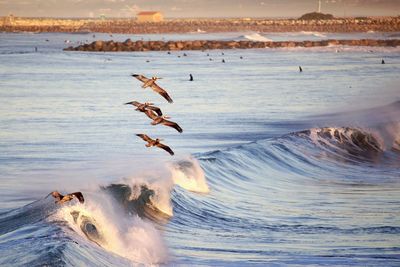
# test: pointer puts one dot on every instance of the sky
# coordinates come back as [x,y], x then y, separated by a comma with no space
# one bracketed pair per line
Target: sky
[197,8]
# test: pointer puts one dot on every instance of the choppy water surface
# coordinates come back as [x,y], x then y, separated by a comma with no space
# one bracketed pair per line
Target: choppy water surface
[274,167]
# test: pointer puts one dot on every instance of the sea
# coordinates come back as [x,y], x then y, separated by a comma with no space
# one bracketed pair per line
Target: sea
[275,167]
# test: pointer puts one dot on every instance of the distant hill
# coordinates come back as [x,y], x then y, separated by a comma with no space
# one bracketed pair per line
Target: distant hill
[316,16]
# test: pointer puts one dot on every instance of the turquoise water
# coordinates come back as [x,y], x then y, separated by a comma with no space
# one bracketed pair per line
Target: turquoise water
[246,186]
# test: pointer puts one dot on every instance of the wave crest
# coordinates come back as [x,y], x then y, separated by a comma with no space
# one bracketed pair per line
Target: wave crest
[189,175]
[102,222]
[256,37]
[351,139]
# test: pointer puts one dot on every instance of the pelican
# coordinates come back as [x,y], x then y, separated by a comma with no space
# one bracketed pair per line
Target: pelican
[60,199]
[300,69]
[155,142]
[152,83]
[190,77]
[145,107]
[162,120]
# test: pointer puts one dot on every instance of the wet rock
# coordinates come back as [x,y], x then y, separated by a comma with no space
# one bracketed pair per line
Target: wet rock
[128,45]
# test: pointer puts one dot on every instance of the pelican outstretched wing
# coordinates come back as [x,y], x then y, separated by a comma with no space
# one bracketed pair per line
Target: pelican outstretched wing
[173,125]
[144,137]
[79,196]
[55,194]
[134,103]
[166,148]
[140,78]
[151,114]
[162,92]
[155,109]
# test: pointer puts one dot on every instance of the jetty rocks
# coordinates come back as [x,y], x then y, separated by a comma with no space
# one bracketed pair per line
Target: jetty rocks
[129,45]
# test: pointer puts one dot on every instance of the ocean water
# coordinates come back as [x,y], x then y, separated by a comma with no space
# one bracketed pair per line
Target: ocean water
[274,167]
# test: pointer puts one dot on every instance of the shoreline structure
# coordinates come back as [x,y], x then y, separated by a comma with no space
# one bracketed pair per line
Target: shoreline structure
[132,26]
[131,46]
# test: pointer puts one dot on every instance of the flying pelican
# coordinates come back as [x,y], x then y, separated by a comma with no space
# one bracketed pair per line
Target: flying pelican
[60,199]
[145,107]
[152,83]
[155,142]
[163,120]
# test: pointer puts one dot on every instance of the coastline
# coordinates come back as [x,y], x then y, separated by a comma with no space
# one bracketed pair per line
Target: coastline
[131,26]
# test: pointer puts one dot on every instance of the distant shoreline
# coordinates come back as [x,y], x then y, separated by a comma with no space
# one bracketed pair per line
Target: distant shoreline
[131,26]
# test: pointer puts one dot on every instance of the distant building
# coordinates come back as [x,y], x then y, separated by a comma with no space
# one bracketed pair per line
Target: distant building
[150,16]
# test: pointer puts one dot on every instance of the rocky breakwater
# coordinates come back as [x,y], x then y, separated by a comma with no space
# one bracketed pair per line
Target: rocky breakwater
[129,45]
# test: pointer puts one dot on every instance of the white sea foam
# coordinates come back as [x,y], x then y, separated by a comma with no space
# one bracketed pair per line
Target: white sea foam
[189,175]
[128,236]
[256,37]
[316,34]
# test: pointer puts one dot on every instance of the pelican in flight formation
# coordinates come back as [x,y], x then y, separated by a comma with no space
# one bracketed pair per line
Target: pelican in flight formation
[162,120]
[145,107]
[60,199]
[152,83]
[155,142]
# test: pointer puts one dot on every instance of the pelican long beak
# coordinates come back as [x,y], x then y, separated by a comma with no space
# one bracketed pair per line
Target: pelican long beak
[129,103]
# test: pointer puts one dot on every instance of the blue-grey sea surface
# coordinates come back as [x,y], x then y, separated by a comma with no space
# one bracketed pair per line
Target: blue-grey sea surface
[274,166]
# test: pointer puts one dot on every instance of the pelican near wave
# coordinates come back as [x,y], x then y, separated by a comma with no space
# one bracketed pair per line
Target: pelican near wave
[162,120]
[155,142]
[152,83]
[61,199]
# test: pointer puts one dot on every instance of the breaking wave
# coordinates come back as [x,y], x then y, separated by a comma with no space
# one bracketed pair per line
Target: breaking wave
[316,34]
[255,37]
[127,218]
[122,217]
